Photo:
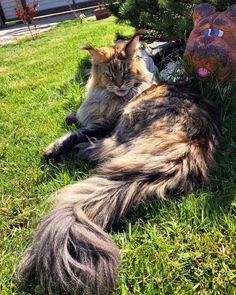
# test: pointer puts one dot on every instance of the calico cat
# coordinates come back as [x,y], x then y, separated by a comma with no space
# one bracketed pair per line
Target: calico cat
[163,143]
[118,74]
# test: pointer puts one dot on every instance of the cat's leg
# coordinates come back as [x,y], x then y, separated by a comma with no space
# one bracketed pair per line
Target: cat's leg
[72,118]
[66,144]
[87,113]
[62,146]
[98,149]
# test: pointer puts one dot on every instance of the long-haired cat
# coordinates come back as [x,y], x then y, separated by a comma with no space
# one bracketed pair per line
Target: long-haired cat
[164,143]
[118,74]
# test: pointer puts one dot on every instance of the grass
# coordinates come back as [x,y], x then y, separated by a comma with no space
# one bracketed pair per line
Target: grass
[184,246]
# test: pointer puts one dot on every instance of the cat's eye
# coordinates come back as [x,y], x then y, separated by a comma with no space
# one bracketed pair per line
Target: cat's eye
[109,75]
[212,32]
[125,73]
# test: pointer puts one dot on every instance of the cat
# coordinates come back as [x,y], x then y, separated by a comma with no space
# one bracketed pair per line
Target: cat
[163,144]
[118,74]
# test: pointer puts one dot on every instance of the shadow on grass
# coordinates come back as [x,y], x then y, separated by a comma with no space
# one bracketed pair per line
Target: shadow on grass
[80,78]
[69,164]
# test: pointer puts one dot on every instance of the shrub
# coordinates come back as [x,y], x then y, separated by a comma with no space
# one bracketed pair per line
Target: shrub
[172,19]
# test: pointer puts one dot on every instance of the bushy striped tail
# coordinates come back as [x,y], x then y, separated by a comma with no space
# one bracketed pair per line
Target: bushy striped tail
[70,251]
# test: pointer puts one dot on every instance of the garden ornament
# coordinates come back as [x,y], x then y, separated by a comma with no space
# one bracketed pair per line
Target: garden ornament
[211,47]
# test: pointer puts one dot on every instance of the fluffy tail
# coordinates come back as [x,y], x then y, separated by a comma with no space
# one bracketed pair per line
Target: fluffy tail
[70,251]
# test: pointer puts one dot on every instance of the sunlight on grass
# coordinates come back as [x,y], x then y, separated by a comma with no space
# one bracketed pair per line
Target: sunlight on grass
[184,246]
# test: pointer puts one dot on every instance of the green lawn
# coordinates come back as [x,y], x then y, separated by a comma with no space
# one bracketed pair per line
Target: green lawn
[184,246]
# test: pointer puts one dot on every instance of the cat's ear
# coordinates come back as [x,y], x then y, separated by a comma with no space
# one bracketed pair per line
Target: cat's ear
[132,47]
[97,56]
[202,10]
[232,11]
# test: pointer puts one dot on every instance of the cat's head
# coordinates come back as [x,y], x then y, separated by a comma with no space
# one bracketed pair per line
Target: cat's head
[117,68]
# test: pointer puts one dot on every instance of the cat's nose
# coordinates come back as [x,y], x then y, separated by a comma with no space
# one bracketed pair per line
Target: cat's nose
[119,83]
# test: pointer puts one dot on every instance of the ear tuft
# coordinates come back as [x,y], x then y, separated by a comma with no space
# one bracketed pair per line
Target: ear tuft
[86,47]
[232,10]
[97,56]
[132,46]
[202,10]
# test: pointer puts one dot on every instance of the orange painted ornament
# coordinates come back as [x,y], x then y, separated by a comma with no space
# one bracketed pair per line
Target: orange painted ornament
[211,46]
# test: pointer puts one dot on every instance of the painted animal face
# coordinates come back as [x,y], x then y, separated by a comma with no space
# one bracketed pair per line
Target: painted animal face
[211,47]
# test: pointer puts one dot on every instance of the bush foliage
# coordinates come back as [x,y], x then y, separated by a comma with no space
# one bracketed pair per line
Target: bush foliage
[170,18]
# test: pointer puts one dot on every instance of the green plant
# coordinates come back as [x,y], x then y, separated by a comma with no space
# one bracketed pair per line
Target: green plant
[172,19]
[27,14]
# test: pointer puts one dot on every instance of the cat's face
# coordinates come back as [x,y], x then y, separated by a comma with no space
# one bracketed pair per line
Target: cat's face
[118,76]
[117,68]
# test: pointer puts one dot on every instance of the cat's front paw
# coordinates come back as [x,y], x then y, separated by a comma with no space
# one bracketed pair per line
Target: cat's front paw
[72,118]
[62,145]
[51,153]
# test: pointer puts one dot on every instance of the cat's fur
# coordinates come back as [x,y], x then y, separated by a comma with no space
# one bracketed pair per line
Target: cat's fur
[163,143]
[118,74]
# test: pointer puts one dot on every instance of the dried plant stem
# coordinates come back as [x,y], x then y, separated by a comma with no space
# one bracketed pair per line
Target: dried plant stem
[31,32]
